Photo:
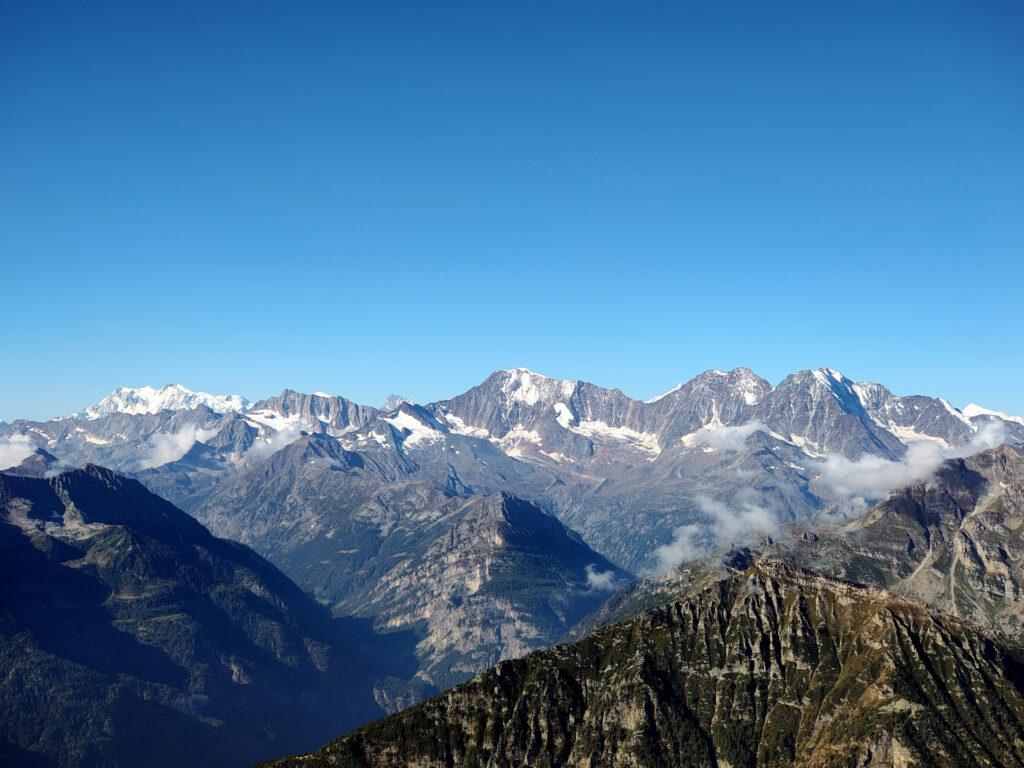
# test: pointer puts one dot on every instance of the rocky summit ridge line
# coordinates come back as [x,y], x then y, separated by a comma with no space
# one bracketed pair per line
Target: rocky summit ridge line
[510,404]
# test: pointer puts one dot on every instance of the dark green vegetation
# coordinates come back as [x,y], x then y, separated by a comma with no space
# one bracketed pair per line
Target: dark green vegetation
[772,666]
[130,636]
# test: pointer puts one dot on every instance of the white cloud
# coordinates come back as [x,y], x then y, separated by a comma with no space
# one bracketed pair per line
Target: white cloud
[164,447]
[58,468]
[265,447]
[723,525]
[689,542]
[600,581]
[731,526]
[15,449]
[871,477]
[725,438]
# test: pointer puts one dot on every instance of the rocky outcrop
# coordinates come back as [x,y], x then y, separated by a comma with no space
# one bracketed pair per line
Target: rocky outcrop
[495,580]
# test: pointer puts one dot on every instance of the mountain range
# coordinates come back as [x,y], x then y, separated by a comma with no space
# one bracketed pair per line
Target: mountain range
[345,497]
[563,443]
[952,541]
[460,533]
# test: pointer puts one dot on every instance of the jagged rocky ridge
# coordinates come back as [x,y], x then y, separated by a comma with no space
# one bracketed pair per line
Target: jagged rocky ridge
[129,635]
[772,666]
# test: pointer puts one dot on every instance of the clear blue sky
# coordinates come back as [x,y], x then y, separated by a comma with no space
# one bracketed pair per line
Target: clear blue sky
[377,196]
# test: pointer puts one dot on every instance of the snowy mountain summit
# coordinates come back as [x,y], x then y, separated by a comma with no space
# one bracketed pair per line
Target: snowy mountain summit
[171,397]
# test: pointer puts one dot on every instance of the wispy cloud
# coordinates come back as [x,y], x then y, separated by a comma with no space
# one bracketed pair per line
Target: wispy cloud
[15,449]
[265,447]
[722,525]
[726,438]
[689,542]
[165,447]
[600,581]
[57,468]
[870,477]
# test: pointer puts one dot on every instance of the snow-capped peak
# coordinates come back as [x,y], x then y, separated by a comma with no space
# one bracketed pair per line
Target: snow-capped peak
[525,386]
[748,385]
[172,397]
[824,374]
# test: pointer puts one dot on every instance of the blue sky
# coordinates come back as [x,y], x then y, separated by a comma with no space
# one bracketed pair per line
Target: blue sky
[403,196]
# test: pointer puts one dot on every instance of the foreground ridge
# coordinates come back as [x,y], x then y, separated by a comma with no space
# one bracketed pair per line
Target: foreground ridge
[773,666]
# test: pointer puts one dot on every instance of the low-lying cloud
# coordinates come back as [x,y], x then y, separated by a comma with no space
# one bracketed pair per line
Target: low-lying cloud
[689,542]
[165,447]
[265,448]
[600,581]
[727,438]
[15,449]
[870,478]
[722,525]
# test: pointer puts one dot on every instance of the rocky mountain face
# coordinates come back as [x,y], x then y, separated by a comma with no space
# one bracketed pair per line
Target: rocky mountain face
[570,424]
[129,635]
[821,410]
[497,579]
[634,472]
[592,444]
[317,412]
[392,401]
[39,463]
[628,518]
[772,666]
[477,577]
